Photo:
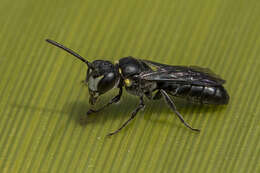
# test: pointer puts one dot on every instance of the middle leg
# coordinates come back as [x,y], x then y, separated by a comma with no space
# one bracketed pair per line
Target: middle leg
[134,113]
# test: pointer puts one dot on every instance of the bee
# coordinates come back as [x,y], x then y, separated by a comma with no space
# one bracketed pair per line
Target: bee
[144,78]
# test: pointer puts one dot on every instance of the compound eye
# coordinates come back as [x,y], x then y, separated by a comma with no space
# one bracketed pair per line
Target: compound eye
[107,83]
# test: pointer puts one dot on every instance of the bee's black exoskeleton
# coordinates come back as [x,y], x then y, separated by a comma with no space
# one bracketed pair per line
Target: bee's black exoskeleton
[153,80]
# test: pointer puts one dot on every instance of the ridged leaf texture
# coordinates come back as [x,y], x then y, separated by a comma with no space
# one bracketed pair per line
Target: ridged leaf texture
[42,98]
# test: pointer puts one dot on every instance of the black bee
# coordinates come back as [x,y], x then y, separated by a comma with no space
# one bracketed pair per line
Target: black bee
[153,80]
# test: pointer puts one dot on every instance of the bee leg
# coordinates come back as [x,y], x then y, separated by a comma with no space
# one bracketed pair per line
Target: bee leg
[113,100]
[134,113]
[169,101]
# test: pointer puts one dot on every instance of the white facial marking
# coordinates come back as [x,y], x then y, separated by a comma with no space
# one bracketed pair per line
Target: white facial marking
[93,83]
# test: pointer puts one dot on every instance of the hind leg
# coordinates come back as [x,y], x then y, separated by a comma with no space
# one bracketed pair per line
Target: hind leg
[169,101]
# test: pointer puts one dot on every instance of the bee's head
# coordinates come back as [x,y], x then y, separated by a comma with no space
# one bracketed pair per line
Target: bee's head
[102,76]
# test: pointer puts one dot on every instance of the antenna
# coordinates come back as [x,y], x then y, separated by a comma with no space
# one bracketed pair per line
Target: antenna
[69,51]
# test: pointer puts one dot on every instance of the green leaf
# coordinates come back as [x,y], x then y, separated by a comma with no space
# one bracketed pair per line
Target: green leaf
[42,99]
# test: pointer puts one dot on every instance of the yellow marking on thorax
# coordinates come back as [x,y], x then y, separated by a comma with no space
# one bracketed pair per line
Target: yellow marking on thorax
[117,62]
[120,71]
[128,82]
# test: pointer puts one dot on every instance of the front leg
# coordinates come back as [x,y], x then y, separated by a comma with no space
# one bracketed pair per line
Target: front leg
[113,100]
[134,113]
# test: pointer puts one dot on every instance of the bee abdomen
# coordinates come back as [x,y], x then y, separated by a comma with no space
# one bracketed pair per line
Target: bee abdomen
[214,95]
[203,94]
